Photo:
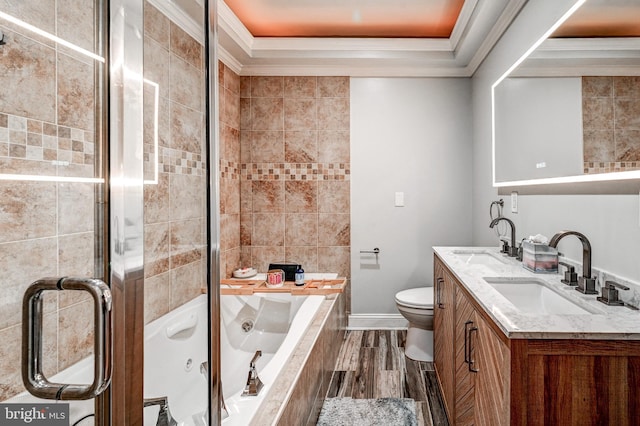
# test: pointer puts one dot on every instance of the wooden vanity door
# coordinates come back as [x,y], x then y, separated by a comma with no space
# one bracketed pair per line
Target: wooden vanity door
[465,379]
[443,317]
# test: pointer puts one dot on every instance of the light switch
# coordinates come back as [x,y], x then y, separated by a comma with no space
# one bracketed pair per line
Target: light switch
[514,202]
[399,199]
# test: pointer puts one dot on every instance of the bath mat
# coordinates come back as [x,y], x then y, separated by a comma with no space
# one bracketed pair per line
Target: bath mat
[368,412]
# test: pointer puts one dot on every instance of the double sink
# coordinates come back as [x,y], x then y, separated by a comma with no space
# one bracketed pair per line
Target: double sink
[529,295]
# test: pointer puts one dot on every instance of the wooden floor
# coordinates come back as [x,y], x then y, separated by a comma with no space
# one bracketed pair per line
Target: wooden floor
[372,364]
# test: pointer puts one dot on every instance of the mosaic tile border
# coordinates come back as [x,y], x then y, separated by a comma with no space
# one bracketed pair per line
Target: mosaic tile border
[610,166]
[296,171]
[35,140]
[229,169]
[174,161]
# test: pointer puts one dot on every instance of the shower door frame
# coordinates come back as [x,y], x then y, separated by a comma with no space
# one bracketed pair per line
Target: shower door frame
[122,403]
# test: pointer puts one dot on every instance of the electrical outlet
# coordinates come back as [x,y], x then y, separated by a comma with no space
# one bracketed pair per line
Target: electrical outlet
[399,199]
[514,202]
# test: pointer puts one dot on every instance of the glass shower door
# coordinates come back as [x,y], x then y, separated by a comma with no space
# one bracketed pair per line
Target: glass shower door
[52,217]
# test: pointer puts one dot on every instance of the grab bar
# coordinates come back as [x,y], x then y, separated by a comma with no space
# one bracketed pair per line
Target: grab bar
[32,347]
[376,250]
[183,325]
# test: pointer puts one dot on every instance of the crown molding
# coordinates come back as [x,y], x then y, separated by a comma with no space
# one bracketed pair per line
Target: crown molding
[472,39]
[228,59]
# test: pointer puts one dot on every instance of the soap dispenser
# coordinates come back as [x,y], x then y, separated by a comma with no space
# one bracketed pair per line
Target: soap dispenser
[299,276]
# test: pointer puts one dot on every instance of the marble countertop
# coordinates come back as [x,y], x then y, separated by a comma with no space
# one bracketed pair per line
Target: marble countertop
[602,323]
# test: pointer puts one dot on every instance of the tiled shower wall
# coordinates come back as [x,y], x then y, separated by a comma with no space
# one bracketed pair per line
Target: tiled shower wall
[286,172]
[611,124]
[174,208]
[46,228]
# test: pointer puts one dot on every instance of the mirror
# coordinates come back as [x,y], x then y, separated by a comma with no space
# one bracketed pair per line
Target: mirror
[568,111]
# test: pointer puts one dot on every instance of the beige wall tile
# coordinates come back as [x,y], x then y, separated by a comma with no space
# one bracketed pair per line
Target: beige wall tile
[229,196]
[597,113]
[75,22]
[229,143]
[627,113]
[627,87]
[268,196]
[246,228]
[157,293]
[245,113]
[627,145]
[230,261]
[268,229]
[267,114]
[300,87]
[300,114]
[246,196]
[334,196]
[334,259]
[333,87]
[301,229]
[75,207]
[75,93]
[267,87]
[334,229]
[245,86]
[229,231]
[186,84]
[76,255]
[597,87]
[333,114]
[156,69]
[301,197]
[186,128]
[28,71]
[231,109]
[261,257]
[75,333]
[333,146]
[187,48]
[156,249]
[186,197]
[156,200]
[187,242]
[186,283]
[29,210]
[301,146]
[267,146]
[306,256]
[232,81]
[156,25]
[599,145]
[10,362]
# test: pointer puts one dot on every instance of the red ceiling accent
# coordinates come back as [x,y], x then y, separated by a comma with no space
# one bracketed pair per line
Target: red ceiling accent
[348,18]
[603,18]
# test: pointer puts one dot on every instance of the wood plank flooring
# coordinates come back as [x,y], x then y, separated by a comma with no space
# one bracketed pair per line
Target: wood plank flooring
[372,364]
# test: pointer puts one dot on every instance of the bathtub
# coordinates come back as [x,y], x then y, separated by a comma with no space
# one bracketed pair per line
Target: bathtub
[176,346]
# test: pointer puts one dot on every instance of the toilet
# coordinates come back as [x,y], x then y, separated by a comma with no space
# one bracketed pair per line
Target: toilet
[416,305]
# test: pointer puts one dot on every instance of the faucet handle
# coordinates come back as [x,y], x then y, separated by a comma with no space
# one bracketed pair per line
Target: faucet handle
[570,276]
[505,245]
[610,293]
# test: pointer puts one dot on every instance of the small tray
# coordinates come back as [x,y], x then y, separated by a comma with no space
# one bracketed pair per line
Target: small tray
[310,287]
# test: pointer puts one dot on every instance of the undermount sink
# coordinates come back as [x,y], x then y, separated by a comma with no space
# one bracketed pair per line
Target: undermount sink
[471,257]
[533,296]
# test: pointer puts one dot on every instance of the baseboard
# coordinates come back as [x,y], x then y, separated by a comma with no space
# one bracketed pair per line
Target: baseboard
[377,322]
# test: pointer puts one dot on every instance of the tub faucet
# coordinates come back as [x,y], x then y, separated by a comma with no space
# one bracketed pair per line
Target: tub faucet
[164,415]
[586,284]
[511,251]
[254,384]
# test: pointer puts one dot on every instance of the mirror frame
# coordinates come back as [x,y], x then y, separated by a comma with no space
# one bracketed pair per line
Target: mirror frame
[603,183]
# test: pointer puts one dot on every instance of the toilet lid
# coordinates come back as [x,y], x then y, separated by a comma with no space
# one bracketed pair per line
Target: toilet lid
[421,297]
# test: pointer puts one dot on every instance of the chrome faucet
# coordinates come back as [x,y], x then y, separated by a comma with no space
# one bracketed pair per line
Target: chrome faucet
[586,284]
[511,251]
[254,384]
[164,415]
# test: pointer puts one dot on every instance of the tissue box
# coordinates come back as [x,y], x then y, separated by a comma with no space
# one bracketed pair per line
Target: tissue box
[538,257]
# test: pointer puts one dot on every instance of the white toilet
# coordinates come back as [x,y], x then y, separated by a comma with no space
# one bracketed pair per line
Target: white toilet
[416,305]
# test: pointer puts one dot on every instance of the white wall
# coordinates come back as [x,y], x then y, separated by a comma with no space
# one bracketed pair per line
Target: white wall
[609,221]
[410,135]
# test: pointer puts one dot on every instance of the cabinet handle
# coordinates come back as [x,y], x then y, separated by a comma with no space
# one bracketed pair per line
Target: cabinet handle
[472,361]
[439,283]
[467,354]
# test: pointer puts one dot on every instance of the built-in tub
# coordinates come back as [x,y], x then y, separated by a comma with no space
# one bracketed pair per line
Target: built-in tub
[176,346]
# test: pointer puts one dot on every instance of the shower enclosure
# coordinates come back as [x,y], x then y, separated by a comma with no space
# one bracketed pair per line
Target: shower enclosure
[108,197]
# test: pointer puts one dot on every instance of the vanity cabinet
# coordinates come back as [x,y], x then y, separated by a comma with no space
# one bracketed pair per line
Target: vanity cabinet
[443,339]
[490,379]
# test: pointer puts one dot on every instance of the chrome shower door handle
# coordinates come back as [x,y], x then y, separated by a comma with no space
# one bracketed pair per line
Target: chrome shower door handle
[32,376]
